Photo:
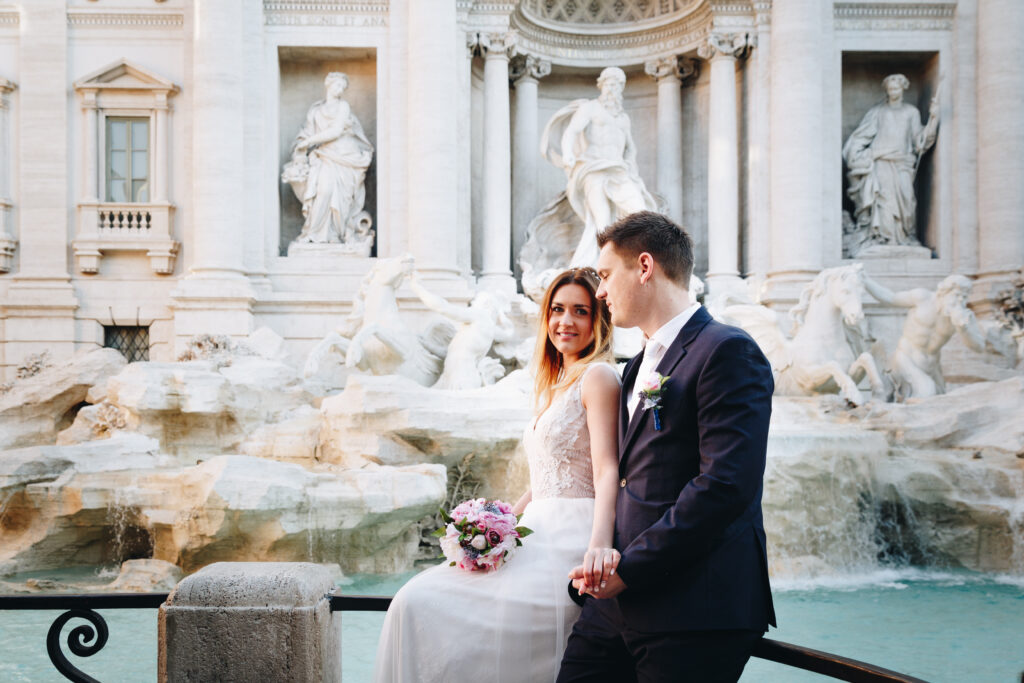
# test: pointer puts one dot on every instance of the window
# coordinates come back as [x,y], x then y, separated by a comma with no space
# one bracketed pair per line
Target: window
[131,341]
[126,142]
[127,159]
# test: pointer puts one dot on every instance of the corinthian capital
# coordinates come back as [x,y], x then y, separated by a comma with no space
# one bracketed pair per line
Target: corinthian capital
[498,44]
[528,66]
[664,67]
[680,68]
[719,44]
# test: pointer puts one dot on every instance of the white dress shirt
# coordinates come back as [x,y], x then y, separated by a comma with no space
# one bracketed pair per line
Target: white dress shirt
[655,350]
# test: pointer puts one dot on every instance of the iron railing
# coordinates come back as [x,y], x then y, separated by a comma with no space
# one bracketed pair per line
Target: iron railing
[87,640]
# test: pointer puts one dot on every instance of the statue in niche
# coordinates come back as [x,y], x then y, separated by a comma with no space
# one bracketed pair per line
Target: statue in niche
[883,155]
[591,141]
[914,367]
[327,171]
[478,327]
[380,341]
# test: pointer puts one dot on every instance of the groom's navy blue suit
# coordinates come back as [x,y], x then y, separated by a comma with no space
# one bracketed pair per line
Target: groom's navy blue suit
[687,518]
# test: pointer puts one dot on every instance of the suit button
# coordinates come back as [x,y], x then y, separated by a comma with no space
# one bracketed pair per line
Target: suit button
[622,483]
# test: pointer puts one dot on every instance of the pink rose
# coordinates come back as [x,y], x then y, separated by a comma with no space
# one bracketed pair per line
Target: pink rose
[651,384]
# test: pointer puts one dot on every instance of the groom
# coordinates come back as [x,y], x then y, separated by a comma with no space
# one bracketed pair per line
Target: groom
[690,597]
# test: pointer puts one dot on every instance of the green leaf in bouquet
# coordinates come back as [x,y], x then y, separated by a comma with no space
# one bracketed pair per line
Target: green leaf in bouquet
[439,533]
[445,516]
[518,542]
[451,564]
[523,531]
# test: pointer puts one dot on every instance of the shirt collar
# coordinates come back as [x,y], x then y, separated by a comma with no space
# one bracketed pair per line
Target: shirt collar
[668,332]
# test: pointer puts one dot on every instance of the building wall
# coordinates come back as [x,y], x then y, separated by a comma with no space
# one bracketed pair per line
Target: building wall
[287,51]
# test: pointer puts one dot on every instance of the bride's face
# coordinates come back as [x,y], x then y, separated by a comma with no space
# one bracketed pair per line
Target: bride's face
[571,321]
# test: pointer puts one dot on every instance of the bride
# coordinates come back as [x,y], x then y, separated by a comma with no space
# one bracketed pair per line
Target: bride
[511,625]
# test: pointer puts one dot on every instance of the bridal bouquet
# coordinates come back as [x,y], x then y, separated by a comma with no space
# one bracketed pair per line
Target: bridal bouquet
[480,535]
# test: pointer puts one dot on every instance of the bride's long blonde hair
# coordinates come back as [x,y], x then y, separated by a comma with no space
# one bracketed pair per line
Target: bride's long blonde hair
[550,374]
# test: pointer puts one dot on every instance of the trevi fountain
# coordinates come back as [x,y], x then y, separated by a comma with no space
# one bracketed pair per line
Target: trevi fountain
[269,272]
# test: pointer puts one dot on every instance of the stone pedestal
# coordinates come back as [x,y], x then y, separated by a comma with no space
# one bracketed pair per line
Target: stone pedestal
[251,621]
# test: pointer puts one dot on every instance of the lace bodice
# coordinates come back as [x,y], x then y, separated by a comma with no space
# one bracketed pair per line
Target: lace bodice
[557,447]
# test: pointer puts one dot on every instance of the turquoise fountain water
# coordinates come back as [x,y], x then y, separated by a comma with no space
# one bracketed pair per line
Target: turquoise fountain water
[944,627]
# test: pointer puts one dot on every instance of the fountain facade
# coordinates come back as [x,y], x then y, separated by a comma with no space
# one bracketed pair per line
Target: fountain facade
[311,371]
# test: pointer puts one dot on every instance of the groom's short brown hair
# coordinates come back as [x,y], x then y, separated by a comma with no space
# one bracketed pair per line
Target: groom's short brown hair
[656,234]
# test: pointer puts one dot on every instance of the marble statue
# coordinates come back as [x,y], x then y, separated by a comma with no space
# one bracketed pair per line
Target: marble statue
[381,342]
[882,155]
[591,141]
[328,169]
[933,319]
[827,350]
[478,327]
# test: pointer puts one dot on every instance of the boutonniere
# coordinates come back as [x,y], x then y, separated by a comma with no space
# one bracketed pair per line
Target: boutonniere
[651,391]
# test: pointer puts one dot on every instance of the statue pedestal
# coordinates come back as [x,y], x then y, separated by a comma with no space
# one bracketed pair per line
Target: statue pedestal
[328,251]
[894,251]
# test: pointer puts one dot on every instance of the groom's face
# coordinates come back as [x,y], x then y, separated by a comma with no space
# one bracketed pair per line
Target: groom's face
[620,286]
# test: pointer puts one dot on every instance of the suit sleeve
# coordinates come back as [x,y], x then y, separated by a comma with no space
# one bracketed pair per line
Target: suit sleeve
[734,394]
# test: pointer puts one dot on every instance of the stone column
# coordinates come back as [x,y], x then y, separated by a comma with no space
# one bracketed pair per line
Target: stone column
[216,297]
[797,136]
[759,212]
[250,621]
[431,160]
[40,304]
[1000,145]
[217,140]
[497,182]
[7,242]
[723,162]
[526,70]
[666,71]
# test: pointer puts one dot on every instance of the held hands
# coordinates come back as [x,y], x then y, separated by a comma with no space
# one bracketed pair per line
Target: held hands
[596,575]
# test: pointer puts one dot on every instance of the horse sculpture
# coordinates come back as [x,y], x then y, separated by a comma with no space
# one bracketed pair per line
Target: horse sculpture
[827,351]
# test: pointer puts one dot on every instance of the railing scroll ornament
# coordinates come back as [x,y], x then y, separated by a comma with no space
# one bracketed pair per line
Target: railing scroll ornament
[83,641]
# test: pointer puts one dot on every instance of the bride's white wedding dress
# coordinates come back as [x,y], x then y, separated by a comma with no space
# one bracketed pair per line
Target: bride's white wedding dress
[509,625]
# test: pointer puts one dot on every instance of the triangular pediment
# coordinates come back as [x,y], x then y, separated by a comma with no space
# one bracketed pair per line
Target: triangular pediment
[123,75]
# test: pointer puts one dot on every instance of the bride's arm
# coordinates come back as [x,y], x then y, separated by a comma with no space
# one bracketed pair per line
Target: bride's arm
[523,501]
[601,400]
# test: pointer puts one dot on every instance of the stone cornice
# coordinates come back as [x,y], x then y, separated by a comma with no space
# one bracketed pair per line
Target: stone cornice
[882,16]
[159,19]
[325,13]
[623,48]
[9,17]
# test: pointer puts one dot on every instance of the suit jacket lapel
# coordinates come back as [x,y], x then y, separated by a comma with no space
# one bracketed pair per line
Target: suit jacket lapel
[628,382]
[666,366]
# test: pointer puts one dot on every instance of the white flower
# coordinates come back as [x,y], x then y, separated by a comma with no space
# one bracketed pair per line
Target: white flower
[479,542]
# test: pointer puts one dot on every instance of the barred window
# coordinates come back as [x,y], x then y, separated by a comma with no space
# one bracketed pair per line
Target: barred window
[131,341]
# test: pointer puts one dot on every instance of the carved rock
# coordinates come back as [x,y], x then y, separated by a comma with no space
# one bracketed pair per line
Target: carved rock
[392,420]
[37,407]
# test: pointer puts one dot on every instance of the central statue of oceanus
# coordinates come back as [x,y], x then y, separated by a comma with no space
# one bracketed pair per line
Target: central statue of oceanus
[591,141]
